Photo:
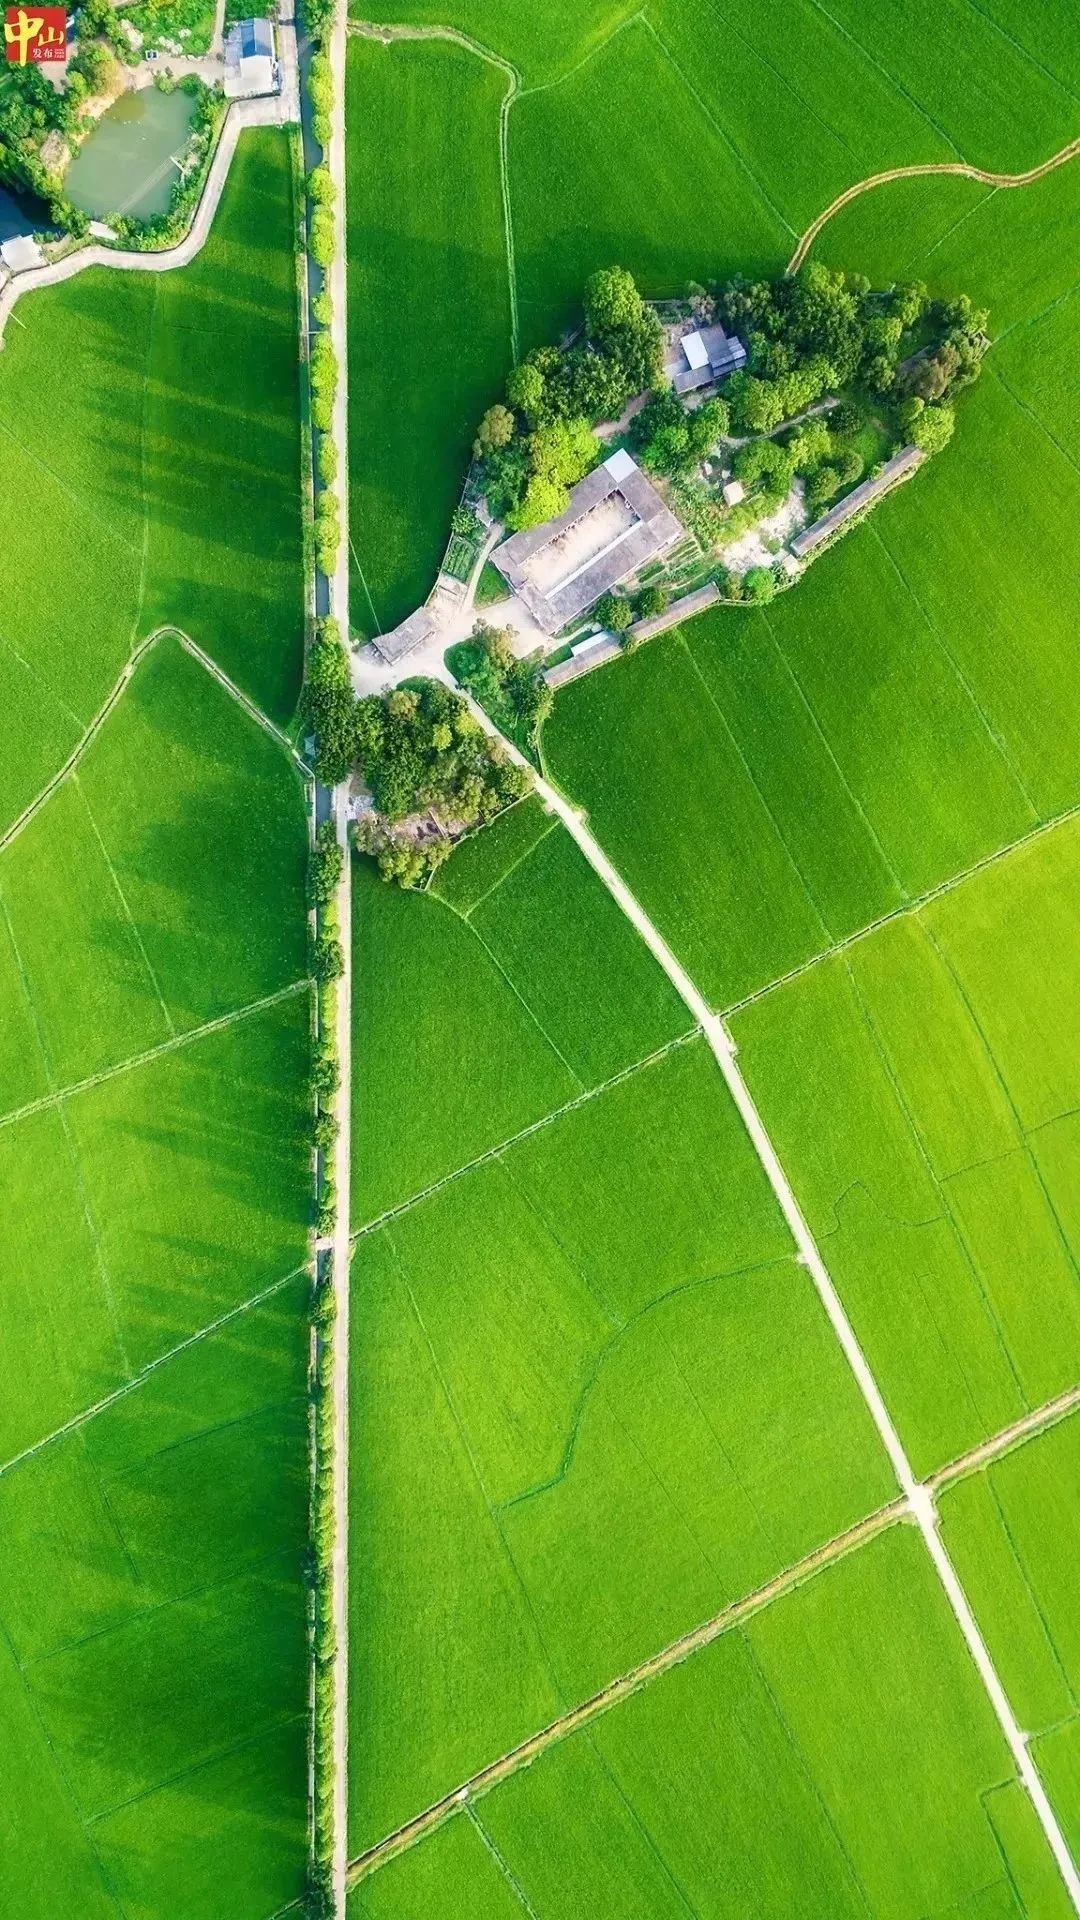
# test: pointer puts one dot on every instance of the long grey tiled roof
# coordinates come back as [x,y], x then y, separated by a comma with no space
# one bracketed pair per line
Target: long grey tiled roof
[656,528]
[860,496]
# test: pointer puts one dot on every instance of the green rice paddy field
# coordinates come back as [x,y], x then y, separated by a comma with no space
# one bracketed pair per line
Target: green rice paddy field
[165,492]
[606,1404]
[1012,1532]
[569,1349]
[833,1756]
[154,1138]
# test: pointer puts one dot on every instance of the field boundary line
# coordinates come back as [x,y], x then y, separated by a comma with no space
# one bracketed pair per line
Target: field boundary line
[960,169]
[913,906]
[919,1497]
[386,35]
[1028,1427]
[93,727]
[535,1126]
[120,1393]
[718,127]
[619,1689]
[59,1095]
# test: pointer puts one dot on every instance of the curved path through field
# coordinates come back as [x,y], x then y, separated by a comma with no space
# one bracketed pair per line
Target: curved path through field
[138,654]
[957,167]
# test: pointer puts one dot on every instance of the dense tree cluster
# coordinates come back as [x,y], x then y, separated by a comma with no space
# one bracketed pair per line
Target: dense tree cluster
[671,439]
[538,444]
[823,331]
[514,692]
[420,748]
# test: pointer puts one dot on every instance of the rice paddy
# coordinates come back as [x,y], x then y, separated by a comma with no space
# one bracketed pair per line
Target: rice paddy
[154,1124]
[606,1402]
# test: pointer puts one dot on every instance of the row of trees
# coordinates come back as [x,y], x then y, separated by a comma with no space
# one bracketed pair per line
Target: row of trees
[327,965]
[329,708]
[538,443]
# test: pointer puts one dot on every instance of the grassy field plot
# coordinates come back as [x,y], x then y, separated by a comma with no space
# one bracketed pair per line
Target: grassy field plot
[513,989]
[154,1639]
[572,1357]
[900,716]
[176,451]
[182,824]
[921,1089]
[829,1758]
[591,183]
[429,305]
[160,887]
[1011,1532]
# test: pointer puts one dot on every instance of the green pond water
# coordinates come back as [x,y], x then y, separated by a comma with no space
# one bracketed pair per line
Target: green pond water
[127,165]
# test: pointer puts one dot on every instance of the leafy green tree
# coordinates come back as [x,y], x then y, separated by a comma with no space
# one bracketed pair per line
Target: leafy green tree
[933,429]
[613,612]
[756,405]
[544,499]
[496,430]
[612,302]
[322,241]
[652,601]
[564,451]
[525,390]
[759,585]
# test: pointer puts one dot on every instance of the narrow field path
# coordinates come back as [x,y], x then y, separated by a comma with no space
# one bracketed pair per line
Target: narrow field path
[671,1656]
[173,1044]
[959,168]
[919,1497]
[94,727]
[1039,1420]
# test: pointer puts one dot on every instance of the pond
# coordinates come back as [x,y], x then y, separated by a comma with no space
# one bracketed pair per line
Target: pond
[129,163]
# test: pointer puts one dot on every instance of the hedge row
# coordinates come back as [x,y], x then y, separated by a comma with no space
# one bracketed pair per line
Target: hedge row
[327,858]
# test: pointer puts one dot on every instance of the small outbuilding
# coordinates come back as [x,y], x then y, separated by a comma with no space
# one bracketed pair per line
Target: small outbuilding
[734,492]
[701,358]
[251,66]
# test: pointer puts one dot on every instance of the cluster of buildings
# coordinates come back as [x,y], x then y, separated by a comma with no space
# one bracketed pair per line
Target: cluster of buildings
[615,523]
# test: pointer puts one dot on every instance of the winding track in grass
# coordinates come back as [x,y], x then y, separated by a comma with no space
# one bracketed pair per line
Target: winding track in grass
[961,168]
